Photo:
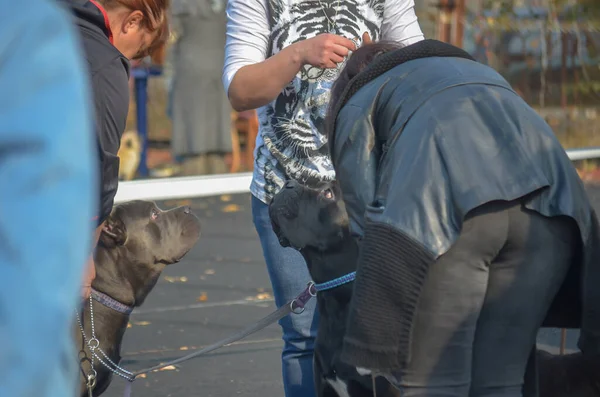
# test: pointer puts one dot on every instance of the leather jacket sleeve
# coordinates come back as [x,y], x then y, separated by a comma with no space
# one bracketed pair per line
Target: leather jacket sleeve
[357,154]
[390,261]
[111,98]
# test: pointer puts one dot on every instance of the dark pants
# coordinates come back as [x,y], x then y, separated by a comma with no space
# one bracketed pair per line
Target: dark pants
[484,301]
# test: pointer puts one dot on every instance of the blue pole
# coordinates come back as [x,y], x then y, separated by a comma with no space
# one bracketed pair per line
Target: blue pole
[141,99]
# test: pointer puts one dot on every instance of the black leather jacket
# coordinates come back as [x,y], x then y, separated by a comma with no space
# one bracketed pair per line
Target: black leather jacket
[109,78]
[418,147]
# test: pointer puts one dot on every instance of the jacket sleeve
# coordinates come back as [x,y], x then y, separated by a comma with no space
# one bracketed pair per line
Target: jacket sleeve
[355,154]
[386,209]
[47,195]
[400,22]
[248,36]
[111,98]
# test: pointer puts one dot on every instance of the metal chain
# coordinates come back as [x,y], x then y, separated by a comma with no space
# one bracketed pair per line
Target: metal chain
[331,28]
[331,24]
[94,344]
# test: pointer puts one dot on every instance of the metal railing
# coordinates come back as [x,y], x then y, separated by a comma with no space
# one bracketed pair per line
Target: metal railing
[213,185]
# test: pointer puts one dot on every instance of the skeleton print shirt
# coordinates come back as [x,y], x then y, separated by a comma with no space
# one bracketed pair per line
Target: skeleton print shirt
[291,143]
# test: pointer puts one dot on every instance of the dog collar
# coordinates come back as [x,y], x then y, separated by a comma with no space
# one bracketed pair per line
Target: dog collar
[111,303]
[345,279]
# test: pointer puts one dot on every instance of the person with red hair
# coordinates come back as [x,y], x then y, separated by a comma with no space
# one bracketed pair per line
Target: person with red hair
[113,32]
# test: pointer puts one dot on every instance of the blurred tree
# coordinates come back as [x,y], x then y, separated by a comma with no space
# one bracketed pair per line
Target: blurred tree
[578,24]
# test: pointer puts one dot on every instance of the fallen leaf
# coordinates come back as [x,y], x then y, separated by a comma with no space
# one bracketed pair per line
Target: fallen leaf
[202,298]
[177,203]
[231,208]
[141,376]
[263,296]
[176,279]
[260,297]
[142,323]
[184,348]
[129,325]
[225,198]
[168,368]
[209,271]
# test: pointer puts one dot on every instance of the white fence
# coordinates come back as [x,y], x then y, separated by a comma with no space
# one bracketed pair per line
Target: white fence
[213,185]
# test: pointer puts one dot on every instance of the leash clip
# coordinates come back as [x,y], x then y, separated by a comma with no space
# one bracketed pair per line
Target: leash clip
[91,383]
[91,380]
[297,305]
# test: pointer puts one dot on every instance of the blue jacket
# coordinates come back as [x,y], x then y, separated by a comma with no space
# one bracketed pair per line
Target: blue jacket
[48,195]
[418,147]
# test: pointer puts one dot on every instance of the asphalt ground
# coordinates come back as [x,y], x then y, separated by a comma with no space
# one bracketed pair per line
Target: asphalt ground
[217,289]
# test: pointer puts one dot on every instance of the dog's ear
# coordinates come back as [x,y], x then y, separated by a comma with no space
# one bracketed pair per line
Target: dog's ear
[114,232]
[284,242]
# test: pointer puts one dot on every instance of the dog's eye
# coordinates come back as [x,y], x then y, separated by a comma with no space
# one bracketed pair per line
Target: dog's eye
[154,214]
[328,194]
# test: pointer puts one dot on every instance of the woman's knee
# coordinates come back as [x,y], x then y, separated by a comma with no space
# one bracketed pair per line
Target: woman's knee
[300,330]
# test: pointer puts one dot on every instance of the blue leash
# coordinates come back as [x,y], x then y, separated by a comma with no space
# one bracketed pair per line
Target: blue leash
[298,303]
[348,278]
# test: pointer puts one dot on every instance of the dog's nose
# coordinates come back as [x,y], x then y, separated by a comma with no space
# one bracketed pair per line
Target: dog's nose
[187,210]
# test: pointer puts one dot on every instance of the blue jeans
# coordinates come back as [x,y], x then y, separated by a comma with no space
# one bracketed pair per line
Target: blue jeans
[289,276]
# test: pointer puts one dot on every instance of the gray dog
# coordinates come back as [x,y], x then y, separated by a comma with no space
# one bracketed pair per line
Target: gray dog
[138,241]
[314,221]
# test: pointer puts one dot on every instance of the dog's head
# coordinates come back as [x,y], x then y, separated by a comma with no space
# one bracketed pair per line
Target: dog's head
[307,217]
[130,141]
[137,242]
[150,234]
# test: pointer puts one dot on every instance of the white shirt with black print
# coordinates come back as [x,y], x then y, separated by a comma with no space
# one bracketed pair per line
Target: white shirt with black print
[291,143]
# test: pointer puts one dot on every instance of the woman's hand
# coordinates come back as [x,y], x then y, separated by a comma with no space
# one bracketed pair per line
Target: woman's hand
[325,50]
[90,271]
[88,276]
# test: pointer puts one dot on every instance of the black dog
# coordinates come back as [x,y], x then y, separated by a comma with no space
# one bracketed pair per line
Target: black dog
[314,221]
[138,241]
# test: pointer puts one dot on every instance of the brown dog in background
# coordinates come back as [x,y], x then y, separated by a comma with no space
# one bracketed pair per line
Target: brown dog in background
[129,154]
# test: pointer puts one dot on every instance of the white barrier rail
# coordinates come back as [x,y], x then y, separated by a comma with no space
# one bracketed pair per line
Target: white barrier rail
[214,185]
[183,187]
[585,153]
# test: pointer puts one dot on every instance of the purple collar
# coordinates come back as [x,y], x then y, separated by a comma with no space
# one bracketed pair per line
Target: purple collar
[111,303]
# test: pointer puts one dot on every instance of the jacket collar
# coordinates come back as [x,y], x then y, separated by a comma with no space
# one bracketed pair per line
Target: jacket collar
[382,64]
